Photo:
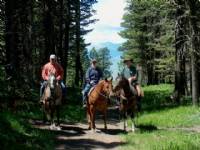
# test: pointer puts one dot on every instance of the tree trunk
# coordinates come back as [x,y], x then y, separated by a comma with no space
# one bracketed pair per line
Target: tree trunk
[60,44]
[48,25]
[66,43]
[180,32]
[78,66]
[195,31]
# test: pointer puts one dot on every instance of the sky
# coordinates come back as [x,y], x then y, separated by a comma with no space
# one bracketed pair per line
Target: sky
[109,13]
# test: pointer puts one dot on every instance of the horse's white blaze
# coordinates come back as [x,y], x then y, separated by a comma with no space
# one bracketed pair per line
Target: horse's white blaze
[52,81]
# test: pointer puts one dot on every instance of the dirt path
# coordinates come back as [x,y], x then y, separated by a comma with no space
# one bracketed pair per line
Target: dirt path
[78,137]
[189,129]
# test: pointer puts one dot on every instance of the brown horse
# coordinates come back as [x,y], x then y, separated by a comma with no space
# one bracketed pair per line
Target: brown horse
[52,97]
[98,101]
[127,100]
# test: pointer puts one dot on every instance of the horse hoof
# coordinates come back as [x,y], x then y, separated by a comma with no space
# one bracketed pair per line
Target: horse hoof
[58,128]
[92,131]
[133,129]
[51,127]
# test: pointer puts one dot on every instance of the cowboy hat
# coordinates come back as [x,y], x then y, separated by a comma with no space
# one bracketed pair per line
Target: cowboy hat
[93,61]
[127,58]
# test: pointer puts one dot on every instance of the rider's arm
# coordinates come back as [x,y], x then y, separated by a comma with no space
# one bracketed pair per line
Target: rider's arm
[87,77]
[45,73]
[133,74]
[60,73]
[100,73]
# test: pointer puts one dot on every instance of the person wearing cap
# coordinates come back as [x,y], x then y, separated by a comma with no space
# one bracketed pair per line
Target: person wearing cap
[93,75]
[52,67]
[131,74]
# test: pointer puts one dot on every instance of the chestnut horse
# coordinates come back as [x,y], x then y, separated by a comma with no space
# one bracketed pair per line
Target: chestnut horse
[98,101]
[127,100]
[52,98]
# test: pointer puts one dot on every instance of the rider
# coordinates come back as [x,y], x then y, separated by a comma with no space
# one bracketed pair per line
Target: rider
[93,75]
[131,74]
[52,67]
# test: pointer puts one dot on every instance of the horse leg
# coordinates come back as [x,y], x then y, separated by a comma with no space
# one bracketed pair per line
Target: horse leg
[44,114]
[132,122]
[58,115]
[104,118]
[52,118]
[92,116]
[88,117]
[125,120]
[58,118]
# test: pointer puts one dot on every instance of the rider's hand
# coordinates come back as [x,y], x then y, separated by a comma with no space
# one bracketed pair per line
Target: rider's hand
[58,78]
[133,78]
[91,82]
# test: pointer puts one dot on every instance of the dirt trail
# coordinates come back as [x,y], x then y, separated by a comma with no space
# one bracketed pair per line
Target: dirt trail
[78,137]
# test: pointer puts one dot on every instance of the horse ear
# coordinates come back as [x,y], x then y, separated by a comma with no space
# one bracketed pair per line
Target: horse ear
[106,79]
[110,79]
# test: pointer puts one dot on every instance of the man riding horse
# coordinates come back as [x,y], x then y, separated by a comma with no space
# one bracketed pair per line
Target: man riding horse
[52,67]
[93,75]
[131,74]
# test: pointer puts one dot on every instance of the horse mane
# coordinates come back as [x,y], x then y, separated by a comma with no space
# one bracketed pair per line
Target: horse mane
[126,89]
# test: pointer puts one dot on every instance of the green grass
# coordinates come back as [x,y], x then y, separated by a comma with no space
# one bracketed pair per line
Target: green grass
[155,130]
[160,123]
[183,116]
[162,140]
[157,96]
[16,134]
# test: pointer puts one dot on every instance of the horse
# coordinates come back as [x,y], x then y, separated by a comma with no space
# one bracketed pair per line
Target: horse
[98,100]
[52,98]
[127,101]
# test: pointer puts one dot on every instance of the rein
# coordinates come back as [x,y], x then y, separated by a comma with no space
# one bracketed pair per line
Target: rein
[101,94]
[105,96]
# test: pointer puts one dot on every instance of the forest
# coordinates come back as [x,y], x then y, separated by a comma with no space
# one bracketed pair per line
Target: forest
[161,36]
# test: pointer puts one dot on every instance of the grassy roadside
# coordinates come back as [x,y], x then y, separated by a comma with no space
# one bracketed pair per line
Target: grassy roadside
[16,132]
[158,129]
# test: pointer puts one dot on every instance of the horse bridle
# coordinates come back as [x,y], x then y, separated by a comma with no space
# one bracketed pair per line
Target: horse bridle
[105,96]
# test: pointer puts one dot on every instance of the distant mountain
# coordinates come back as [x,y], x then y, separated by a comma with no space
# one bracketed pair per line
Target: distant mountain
[115,54]
[113,47]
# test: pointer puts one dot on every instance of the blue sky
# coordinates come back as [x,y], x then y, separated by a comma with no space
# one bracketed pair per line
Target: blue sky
[109,13]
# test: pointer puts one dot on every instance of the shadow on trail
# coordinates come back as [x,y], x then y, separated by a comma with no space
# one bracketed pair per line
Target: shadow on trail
[87,144]
[113,131]
[79,138]
[147,128]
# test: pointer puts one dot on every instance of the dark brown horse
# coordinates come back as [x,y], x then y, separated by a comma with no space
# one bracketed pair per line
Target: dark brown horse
[52,100]
[127,100]
[98,101]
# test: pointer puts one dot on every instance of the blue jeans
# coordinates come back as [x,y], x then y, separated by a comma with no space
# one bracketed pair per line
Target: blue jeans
[42,87]
[86,91]
[43,84]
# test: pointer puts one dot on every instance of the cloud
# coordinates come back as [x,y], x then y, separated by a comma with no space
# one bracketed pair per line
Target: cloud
[109,13]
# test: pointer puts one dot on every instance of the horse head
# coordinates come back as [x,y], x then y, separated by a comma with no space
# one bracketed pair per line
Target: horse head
[120,83]
[52,81]
[107,87]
